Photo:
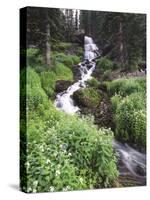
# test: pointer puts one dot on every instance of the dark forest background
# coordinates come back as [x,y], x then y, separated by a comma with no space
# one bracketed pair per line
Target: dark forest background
[120,36]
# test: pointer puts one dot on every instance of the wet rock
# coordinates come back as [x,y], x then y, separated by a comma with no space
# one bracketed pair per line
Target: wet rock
[140,171]
[62,85]
[76,72]
[102,87]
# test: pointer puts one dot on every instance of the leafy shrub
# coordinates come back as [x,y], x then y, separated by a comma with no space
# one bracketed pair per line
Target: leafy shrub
[116,65]
[34,57]
[35,93]
[127,118]
[125,86]
[107,75]
[89,147]
[87,97]
[79,51]
[66,59]
[72,155]
[64,152]
[93,83]
[33,79]
[48,80]
[104,64]
[62,58]
[61,46]
[142,82]
[139,128]
[63,72]
[115,100]
[75,59]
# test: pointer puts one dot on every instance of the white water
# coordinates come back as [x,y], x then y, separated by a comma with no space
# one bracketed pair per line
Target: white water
[133,162]
[63,100]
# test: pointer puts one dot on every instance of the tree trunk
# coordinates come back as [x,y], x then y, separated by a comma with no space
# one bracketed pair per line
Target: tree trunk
[121,46]
[48,47]
[76,21]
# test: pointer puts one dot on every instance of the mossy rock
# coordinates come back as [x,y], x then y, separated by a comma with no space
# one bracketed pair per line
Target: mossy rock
[93,83]
[62,85]
[87,97]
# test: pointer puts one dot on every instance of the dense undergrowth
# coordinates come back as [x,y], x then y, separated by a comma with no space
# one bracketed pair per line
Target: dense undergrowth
[128,97]
[60,152]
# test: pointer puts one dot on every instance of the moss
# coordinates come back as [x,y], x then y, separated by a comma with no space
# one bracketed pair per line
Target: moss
[48,80]
[35,93]
[62,72]
[93,83]
[66,59]
[87,97]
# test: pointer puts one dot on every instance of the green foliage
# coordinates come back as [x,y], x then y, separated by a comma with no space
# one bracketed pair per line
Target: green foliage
[126,86]
[93,82]
[79,51]
[64,152]
[115,100]
[34,57]
[87,97]
[61,46]
[129,126]
[129,108]
[107,75]
[104,64]
[48,80]
[75,59]
[139,128]
[35,94]
[71,155]
[66,59]
[62,72]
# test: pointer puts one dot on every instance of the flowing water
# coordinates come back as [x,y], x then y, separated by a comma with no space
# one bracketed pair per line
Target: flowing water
[131,163]
[64,100]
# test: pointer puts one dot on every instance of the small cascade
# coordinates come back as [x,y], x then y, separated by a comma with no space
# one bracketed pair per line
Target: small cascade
[131,163]
[63,100]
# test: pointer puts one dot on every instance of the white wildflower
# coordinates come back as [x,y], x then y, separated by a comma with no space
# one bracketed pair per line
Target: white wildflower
[57,172]
[51,188]
[48,161]
[58,166]
[29,189]
[63,146]
[69,154]
[66,188]
[81,180]
[34,190]
[42,148]
[35,183]
[55,154]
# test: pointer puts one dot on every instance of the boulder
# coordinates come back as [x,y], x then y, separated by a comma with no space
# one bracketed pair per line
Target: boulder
[87,97]
[62,85]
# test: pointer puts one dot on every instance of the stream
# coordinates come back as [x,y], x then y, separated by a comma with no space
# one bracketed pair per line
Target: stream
[131,163]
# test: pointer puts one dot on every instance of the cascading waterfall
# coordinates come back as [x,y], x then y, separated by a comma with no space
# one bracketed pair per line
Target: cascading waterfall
[131,162]
[63,100]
